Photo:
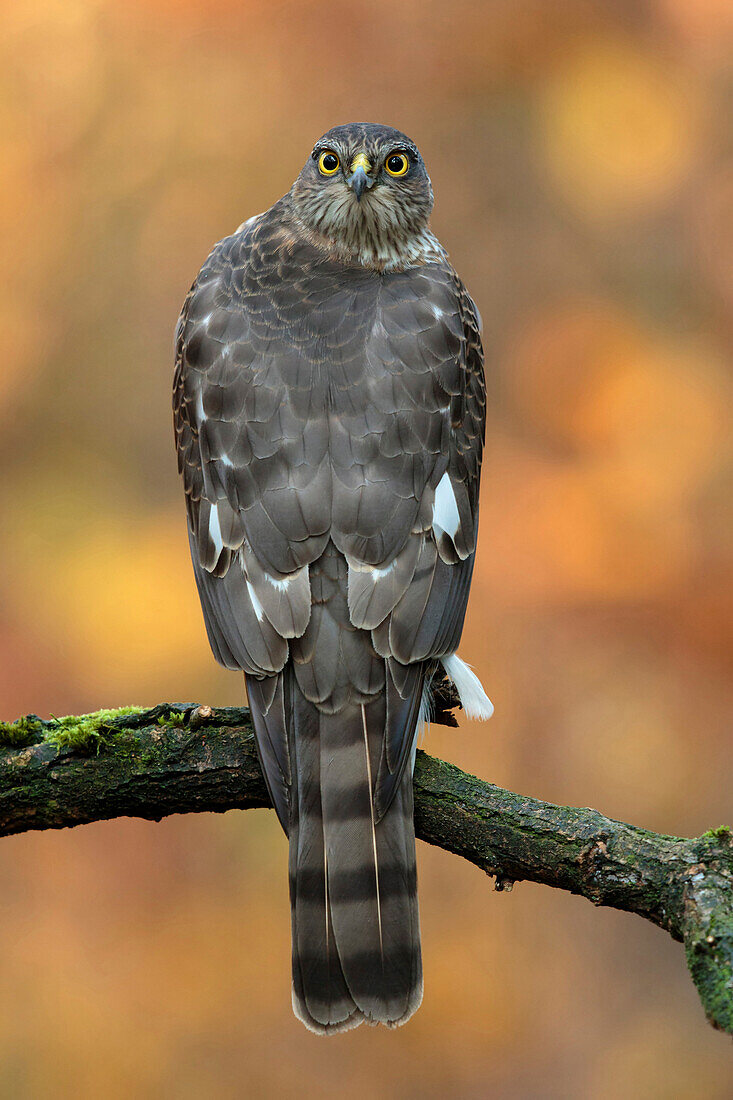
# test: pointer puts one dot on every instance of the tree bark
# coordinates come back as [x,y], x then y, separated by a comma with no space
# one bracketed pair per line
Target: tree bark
[180,758]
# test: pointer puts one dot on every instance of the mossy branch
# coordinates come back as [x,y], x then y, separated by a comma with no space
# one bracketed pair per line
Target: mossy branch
[180,758]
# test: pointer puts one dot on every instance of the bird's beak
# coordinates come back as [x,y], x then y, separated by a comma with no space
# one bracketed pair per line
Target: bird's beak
[359,180]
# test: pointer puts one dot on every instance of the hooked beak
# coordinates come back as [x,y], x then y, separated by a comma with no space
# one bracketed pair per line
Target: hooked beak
[359,180]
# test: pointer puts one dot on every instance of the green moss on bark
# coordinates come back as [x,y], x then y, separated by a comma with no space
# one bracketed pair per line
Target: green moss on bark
[25,731]
[74,732]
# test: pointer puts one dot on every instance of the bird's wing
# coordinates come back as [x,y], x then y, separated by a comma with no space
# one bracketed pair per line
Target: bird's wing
[241,447]
[415,603]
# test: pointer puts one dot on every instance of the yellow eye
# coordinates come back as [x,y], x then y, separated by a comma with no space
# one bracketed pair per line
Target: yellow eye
[397,164]
[328,163]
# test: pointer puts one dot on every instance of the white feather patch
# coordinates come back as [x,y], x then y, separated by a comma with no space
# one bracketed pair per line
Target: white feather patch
[215,529]
[256,605]
[445,508]
[376,573]
[283,584]
[474,699]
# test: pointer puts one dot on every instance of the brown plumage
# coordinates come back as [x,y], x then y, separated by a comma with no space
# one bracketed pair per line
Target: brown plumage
[329,417]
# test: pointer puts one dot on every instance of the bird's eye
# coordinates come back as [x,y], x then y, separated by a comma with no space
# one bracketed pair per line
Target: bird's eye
[328,163]
[397,164]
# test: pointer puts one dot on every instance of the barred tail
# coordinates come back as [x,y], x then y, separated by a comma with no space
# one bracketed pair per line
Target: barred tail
[353,881]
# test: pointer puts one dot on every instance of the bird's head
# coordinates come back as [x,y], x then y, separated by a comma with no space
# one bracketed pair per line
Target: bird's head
[364,191]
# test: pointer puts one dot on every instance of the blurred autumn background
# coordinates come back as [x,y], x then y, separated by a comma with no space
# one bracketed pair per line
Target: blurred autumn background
[580,154]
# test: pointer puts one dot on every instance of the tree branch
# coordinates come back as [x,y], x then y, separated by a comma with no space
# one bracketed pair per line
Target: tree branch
[180,758]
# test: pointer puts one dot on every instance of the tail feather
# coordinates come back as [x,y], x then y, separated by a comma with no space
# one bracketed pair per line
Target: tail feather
[321,998]
[356,939]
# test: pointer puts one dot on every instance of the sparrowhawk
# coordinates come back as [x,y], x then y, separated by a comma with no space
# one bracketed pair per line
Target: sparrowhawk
[329,414]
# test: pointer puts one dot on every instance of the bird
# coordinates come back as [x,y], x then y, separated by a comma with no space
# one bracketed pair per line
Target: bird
[329,413]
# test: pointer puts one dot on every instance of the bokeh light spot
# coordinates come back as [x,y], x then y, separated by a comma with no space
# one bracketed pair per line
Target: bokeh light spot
[619,129]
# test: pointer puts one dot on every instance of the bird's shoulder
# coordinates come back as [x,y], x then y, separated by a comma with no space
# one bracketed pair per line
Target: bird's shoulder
[267,289]
[272,258]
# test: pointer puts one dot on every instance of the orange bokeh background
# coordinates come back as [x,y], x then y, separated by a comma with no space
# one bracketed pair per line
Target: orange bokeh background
[578,155]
